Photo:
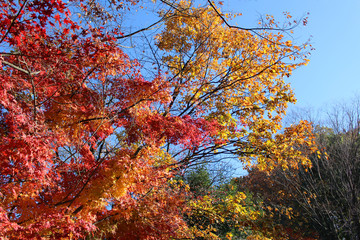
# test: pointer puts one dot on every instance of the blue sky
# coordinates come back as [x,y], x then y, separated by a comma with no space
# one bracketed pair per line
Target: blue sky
[332,73]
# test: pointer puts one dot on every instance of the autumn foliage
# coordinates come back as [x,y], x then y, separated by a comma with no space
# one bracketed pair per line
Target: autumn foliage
[91,139]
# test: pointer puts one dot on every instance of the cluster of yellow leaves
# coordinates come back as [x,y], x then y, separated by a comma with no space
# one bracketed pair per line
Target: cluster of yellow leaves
[285,150]
[236,77]
[208,211]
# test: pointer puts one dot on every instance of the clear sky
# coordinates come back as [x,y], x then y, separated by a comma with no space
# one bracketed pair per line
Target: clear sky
[334,25]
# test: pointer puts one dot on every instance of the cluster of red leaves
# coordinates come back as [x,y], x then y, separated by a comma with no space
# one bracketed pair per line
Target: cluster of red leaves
[64,89]
[159,127]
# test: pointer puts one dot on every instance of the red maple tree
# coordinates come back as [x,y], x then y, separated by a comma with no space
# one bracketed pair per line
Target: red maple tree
[89,147]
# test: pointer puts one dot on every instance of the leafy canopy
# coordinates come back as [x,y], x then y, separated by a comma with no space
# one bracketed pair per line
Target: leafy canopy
[92,138]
